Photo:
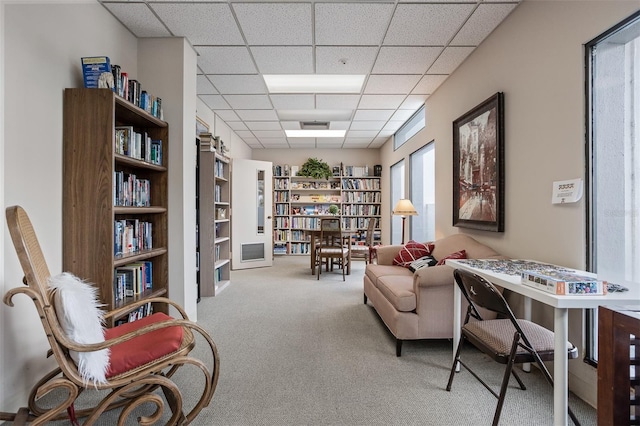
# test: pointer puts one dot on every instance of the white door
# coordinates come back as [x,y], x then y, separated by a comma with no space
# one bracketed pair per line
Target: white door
[251,221]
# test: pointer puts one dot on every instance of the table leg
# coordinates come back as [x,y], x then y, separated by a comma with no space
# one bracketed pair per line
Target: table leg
[560,367]
[457,310]
[526,367]
[313,254]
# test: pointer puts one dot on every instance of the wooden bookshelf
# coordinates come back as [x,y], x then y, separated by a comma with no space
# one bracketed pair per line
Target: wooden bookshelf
[90,163]
[299,202]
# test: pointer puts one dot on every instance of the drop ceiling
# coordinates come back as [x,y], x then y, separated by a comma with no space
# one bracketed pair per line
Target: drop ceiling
[406,49]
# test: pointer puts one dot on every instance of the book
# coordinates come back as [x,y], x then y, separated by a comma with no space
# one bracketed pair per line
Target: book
[563,282]
[93,68]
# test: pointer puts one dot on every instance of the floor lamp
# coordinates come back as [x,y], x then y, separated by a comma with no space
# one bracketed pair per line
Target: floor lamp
[404,208]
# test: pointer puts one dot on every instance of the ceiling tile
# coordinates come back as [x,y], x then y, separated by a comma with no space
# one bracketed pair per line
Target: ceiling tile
[450,59]
[227,115]
[367,125]
[429,83]
[326,143]
[361,134]
[392,126]
[245,134]
[405,60]
[357,142]
[265,134]
[283,59]
[302,142]
[275,23]
[236,125]
[402,115]
[248,101]
[345,59]
[225,60]
[215,102]
[413,102]
[204,86]
[139,19]
[263,125]
[290,125]
[293,101]
[337,101]
[238,84]
[380,101]
[378,142]
[386,134]
[484,20]
[201,23]
[274,142]
[351,23]
[391,84]
[426,24]
[314,114]
[339,125]
[373,114]
[257,114]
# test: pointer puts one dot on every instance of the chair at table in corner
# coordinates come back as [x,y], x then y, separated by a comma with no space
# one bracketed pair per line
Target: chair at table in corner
[363,251]
[507,340]
[332,247]
[135,358]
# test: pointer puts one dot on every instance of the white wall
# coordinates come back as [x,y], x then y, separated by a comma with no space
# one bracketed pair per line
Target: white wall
[333,157]
[43,45]
[536,57]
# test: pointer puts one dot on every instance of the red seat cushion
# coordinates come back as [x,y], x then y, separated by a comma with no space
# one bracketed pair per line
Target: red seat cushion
[142,349]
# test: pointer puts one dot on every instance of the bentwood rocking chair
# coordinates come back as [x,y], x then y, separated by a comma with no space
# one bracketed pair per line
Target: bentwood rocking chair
[143,355]
[506,340]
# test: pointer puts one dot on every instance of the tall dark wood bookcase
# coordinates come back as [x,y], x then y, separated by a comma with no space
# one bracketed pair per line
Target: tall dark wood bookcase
[89,213]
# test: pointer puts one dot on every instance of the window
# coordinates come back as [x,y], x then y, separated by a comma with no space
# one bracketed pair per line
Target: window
[397,192]
[410,128]
[613,155]
[423,197]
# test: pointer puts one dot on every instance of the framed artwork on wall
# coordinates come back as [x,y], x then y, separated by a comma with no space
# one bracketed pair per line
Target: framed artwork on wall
[478,167]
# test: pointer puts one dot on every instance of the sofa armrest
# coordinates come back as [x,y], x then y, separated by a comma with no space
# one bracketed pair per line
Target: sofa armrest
[385,254]
[433,276]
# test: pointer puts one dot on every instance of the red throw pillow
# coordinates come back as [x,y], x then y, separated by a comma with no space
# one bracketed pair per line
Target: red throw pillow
[412,251]
[462,254]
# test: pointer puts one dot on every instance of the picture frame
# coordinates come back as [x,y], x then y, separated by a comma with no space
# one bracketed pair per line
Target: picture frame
[478,166]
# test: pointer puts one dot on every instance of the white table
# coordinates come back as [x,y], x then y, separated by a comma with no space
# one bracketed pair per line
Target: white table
[561,305]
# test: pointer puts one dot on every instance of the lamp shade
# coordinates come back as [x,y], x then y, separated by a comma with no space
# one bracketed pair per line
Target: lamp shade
[404,208]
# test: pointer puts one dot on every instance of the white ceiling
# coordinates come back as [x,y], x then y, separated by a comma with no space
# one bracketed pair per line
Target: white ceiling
[405,48]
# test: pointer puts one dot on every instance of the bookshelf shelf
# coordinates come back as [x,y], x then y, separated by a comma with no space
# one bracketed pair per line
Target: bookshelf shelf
[90,190]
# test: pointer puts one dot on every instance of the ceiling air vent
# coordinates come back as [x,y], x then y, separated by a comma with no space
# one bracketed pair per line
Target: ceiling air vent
[314,125]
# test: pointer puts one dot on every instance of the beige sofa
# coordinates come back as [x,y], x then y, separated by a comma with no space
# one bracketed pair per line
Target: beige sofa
[418,305]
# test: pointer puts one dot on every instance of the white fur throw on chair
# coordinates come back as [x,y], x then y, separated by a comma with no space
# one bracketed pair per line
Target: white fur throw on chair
[78,310]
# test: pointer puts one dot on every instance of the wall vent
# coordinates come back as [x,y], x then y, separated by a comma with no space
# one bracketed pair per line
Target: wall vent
[251,252]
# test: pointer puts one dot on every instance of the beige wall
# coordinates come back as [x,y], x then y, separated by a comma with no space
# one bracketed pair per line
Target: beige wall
[536,57]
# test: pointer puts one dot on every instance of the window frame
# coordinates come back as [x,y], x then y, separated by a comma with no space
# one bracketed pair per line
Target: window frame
[408,125]
[431,145]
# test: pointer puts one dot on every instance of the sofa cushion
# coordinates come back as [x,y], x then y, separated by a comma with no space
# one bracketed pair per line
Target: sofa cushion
[412,251]
[374,271]
[462,254]
[398,289]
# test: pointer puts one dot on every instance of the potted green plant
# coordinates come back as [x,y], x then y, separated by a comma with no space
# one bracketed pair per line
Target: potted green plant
[333,209]
[315,168]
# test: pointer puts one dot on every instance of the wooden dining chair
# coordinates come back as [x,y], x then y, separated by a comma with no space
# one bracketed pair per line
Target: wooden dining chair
[361,251]
[140,357]
[332,247]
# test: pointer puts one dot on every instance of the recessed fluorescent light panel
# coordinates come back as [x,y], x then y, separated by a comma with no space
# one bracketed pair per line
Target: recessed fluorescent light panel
[315,133]
[314,83]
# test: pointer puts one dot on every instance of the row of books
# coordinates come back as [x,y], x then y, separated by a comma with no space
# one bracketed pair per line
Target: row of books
[341,170]
[98,72]
[138,145]
[281,222]
[132,236]
[279,249]
[129,191]
[281,197]
[219,169]
[366,184]
[132,279]
[361,197]
[281,209]
[143,311]
[131,90]
[300,248]
[361,209]
[281,184]
[280,235]
[355,171]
